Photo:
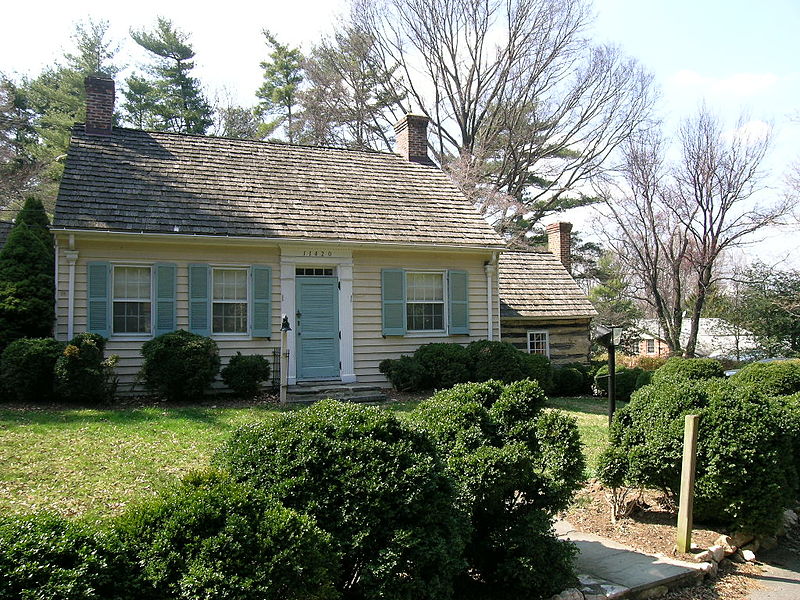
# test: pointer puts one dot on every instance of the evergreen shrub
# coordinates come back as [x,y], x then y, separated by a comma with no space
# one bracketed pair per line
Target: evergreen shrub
[568,381]
[443,365]
[747,469]
[82,373]
[496,360]
[211,537]
[778,378]
[689,368]
[27,369]
[244,374]
[179,365]
[46,556]
[625,381]
[370,481]
[405,373]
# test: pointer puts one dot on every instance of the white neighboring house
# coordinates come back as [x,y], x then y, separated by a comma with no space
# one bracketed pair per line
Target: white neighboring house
[716,338]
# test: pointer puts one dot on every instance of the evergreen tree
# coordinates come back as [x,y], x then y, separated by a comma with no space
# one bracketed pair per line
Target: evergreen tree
[612,299]
[171,99]
[27,280]
[283,74]
[18,167]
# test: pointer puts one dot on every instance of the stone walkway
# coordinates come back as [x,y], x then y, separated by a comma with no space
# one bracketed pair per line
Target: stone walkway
[611,570]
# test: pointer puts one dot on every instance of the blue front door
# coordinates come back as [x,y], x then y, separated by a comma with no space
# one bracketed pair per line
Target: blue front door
[317,328]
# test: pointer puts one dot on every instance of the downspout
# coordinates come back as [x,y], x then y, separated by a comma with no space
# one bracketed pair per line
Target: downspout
[72,257]
[490,270]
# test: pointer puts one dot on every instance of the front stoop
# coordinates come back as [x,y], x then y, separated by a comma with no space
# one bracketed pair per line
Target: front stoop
[310,392]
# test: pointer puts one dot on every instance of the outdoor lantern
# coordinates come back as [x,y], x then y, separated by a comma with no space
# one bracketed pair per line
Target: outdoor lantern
[285,324]
[616,336]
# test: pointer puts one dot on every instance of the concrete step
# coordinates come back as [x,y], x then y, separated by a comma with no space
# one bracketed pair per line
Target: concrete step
[310,393]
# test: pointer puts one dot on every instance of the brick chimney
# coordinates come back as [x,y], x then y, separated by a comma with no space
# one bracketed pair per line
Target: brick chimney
[558,242]
[412,138]
[99,105]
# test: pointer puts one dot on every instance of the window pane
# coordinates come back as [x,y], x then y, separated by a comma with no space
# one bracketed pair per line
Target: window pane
[230,284]
[132,283]
[425,287]
[229,317]
[131,317]
[425,316]
[537,342]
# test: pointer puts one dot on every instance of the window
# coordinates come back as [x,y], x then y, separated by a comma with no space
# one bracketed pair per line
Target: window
[229,301]
[651,346]
[539,343]
[132,306]
[314,271]
[425,301]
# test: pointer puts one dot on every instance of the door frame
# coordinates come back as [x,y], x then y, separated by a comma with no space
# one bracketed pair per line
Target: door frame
[320,255]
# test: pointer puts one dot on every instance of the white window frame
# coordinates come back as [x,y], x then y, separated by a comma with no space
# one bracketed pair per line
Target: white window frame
[444,302]
[248,296]
[650,346]
[546,341]
[114,300]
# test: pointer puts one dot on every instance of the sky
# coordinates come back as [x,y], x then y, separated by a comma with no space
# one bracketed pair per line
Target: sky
[736,56]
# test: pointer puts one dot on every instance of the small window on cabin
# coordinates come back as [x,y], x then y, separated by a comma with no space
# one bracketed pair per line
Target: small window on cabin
[132,304]
[229,300]
[425,301]
[539,343]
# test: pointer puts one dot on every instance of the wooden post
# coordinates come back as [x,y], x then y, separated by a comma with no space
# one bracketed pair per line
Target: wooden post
[686,505]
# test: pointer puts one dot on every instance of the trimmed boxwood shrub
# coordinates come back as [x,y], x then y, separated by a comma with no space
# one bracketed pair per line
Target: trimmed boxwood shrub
[27,369]
[443,365]
[371,482]
[689,368]
[746,464]
[496,360]
[625,381]
[516,465]
[179,365]
[779,378]
[211,537]
[83,375]
[568,381]
[244,373]
[45,556]
[405,373]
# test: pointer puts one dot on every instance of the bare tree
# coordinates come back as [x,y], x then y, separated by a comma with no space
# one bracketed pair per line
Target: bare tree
[675,222]
[516,86]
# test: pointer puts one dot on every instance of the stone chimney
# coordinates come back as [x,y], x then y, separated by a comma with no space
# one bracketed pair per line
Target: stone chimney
[99,105]
[558,242]
[412,138]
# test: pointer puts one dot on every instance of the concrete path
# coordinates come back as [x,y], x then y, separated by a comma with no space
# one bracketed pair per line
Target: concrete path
[611,570]
[781,577]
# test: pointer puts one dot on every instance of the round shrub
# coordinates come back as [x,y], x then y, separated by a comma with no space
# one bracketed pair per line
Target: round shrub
[443,365]
[568,381]
[746,464]
[404,373]
[778,378]
[496,360]
[82,373]
[371,482]
[27,369]
[245,373]
[179,365]
[504,452]
[644,378]
[689,368]
[211,537]
[625,381]
[46,556]
[538,368]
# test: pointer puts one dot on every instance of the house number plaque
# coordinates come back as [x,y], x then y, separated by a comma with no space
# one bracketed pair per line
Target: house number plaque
[321,253]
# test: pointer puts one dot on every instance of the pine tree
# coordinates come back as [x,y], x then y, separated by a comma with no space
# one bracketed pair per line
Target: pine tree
[171,99]
[283,74]
[27,280]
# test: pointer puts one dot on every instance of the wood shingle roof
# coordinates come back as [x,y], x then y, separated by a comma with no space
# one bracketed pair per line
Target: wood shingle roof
[536,285]
[155,182]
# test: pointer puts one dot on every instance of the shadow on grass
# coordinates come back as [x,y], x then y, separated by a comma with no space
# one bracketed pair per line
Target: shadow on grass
[590,405]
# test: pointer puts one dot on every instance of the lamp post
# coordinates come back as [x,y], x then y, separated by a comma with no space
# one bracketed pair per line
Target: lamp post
[611,338]
[285,329]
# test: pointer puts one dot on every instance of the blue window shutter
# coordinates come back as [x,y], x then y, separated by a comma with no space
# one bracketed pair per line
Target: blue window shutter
[98,284]
[200,299]
[393,296]
[164,298]
[458,302]
[261,301]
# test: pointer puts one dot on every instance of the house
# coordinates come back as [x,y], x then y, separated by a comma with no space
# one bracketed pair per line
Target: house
[716,338]
[542,309]
[369,254]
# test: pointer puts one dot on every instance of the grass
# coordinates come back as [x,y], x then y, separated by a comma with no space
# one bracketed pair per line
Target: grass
[94,462]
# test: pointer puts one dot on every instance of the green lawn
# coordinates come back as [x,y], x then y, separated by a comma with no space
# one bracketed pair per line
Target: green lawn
[95,462]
